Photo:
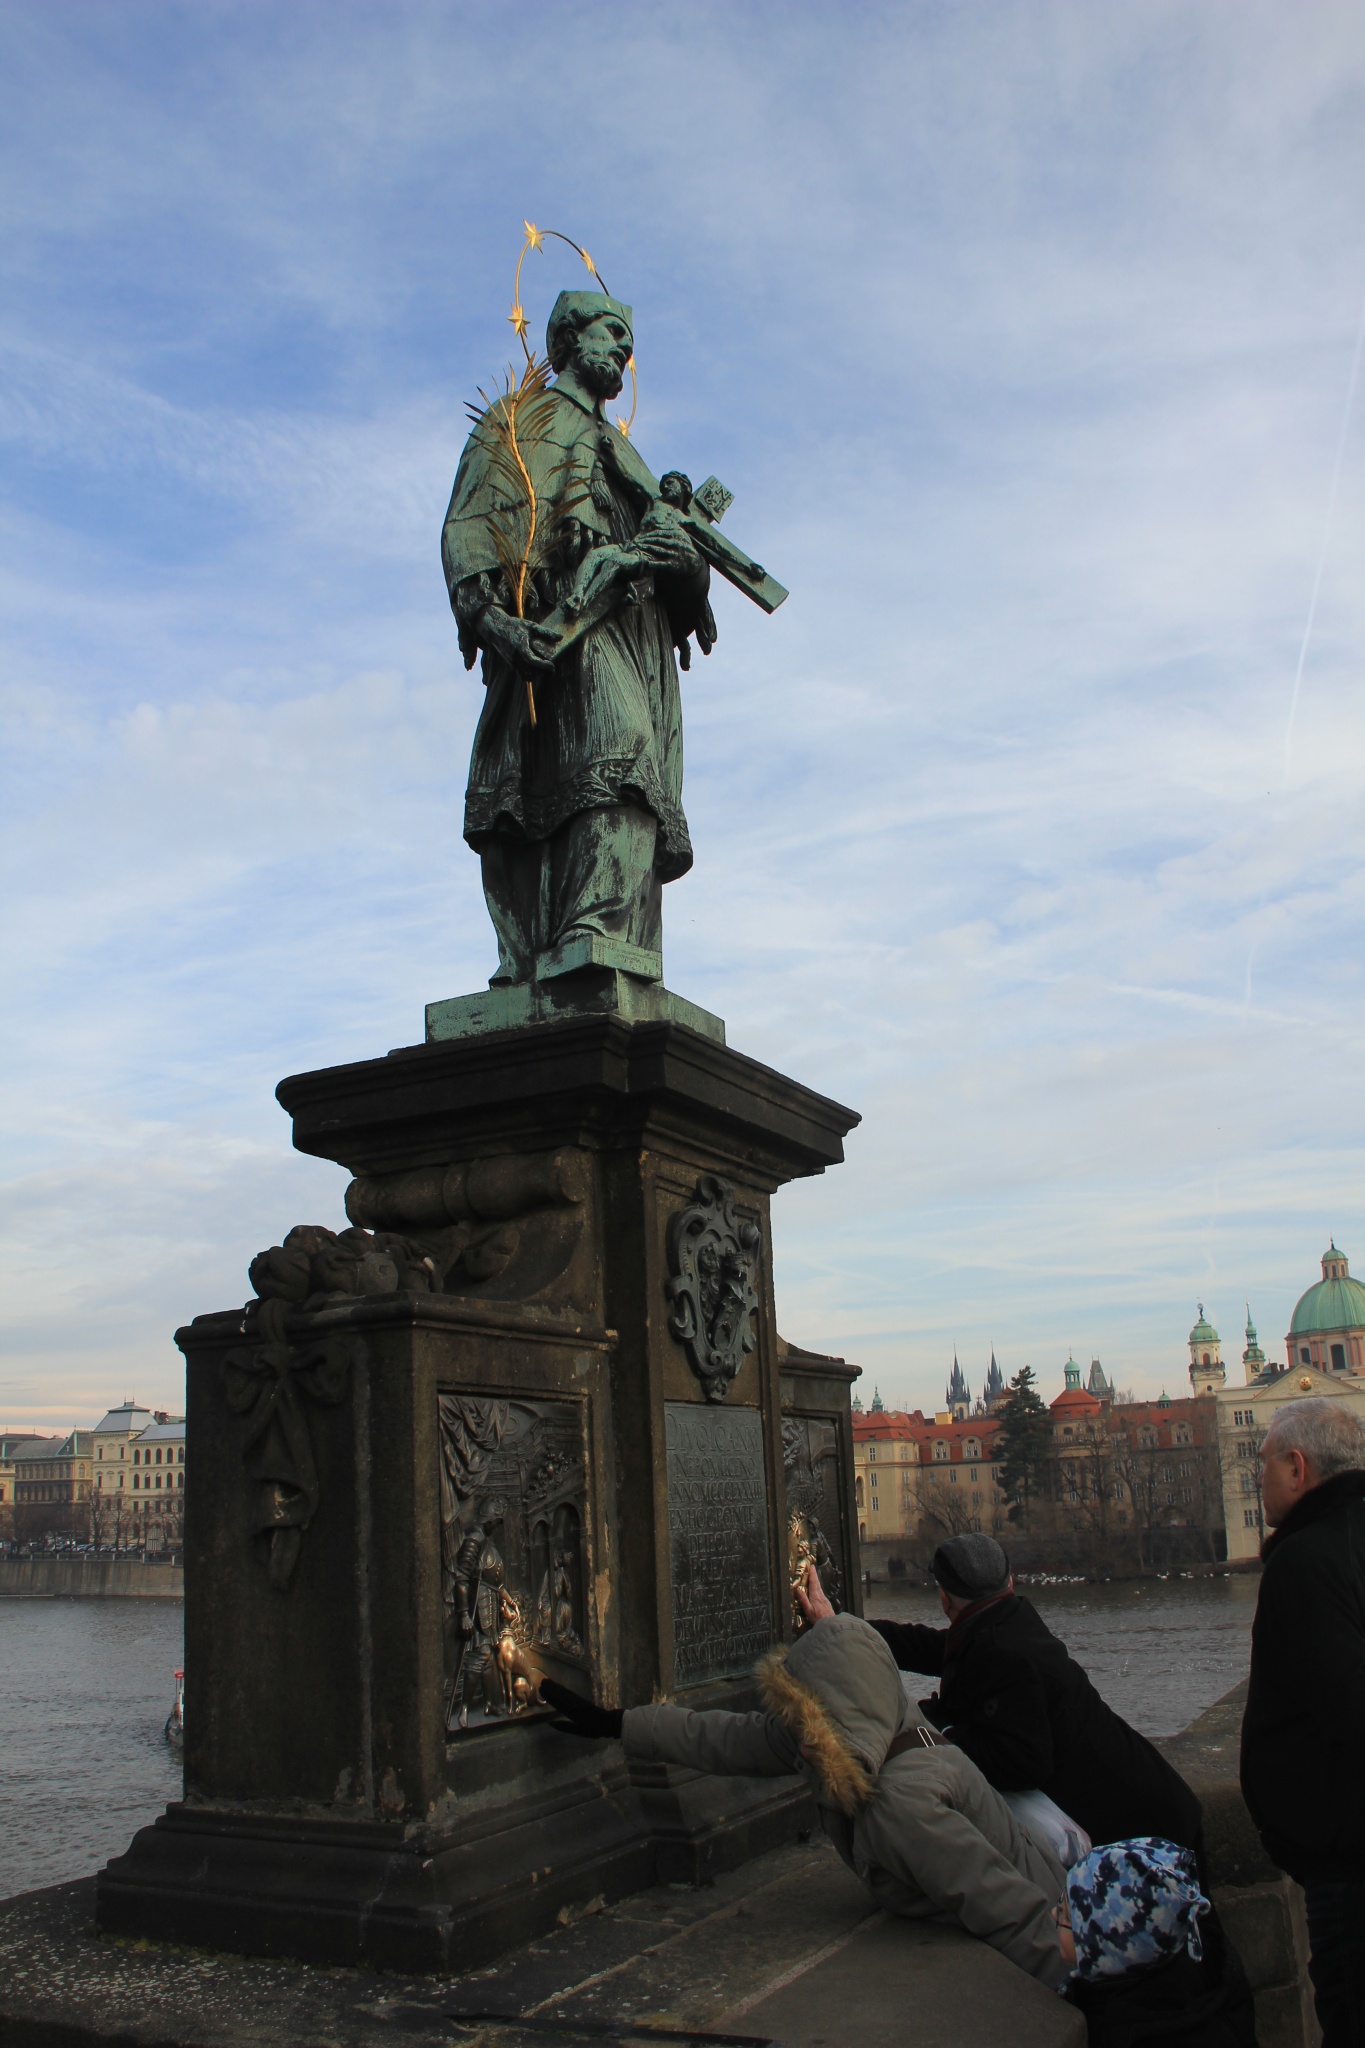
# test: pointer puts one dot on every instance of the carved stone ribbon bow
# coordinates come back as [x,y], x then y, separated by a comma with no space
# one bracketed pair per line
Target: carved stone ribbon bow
[270,1383]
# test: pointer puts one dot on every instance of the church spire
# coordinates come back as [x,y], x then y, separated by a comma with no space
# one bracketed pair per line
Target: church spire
[1253,1358]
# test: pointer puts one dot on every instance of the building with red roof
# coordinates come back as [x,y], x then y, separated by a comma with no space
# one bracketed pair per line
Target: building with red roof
[916,1474]
[1118,1482]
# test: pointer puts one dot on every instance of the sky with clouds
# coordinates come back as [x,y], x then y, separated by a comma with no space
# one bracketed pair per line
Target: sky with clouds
[1029,827]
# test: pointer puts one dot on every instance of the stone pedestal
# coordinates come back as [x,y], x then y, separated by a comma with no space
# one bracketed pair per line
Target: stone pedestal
[531,1412]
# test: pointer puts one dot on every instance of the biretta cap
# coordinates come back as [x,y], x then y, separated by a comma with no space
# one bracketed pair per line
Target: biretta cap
[576,309]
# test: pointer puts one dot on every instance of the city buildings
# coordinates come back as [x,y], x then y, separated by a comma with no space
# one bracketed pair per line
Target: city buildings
[120,1485]
[1115,1482]
[52,1472]
[914,1472]
[158,1490]
[17,1447]
[1327,1331]
[1324,1354]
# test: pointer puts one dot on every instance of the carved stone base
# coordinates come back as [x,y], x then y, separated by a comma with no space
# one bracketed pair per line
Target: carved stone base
[529,1415]
[700,1826]
[383,1895]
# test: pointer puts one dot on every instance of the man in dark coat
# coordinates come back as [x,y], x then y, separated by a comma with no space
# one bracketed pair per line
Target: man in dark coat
[1303,1772]
[1028,1717]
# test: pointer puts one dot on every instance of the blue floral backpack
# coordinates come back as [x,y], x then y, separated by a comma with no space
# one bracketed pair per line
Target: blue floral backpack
[1152,1962]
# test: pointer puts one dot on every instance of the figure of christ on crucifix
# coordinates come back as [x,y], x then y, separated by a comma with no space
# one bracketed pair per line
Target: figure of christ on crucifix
[574,802]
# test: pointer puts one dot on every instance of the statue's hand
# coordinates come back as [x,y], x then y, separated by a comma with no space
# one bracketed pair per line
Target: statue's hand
[669,547]
[525,647]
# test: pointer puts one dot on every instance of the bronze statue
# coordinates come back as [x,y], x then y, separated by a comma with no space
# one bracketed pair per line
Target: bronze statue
[579,578]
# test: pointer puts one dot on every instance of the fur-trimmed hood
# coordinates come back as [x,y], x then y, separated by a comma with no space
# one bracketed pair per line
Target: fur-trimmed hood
[839,1695]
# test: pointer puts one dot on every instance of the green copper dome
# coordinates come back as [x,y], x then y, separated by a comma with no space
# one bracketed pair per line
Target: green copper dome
[1335,1304]
[1203,1331]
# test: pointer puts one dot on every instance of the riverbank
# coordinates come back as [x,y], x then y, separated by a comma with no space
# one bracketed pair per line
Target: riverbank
[89,1578]
[887,1563]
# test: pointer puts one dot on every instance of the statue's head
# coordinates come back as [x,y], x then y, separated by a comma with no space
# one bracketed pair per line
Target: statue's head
[676,489]
[593,333]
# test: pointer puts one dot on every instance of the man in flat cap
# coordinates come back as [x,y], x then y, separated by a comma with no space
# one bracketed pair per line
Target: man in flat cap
[1012,1699]
[576,814]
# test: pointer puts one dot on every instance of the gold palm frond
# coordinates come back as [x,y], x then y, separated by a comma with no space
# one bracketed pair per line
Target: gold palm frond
[515,422]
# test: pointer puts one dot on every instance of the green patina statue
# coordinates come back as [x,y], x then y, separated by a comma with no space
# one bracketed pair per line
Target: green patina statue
[580,578]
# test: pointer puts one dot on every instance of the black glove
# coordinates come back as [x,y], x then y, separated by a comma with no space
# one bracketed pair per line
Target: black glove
[576,1716]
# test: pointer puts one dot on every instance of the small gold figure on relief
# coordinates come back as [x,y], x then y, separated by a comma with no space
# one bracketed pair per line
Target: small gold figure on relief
[799,1556]
[513,1666]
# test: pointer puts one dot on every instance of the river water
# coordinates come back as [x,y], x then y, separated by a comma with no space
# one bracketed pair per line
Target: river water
[85,1687]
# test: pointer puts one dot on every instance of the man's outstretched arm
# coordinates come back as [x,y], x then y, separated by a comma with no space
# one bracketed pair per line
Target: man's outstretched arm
[914,1647]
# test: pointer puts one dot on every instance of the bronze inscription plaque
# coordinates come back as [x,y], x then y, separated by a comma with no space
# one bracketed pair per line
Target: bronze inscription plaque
[717,1541]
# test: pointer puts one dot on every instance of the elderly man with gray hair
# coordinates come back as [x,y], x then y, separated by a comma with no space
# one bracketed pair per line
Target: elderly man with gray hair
[1303,1764]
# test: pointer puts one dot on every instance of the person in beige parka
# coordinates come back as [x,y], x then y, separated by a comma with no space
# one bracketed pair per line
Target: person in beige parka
[907,1811]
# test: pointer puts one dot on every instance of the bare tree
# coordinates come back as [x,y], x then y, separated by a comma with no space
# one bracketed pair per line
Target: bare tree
[1096,1472]
[945,1507]
[1136,1470]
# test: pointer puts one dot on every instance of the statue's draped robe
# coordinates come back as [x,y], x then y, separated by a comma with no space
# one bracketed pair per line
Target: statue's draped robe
[608,728]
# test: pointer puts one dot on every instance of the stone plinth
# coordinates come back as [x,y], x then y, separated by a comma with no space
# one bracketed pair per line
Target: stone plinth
[540,1418]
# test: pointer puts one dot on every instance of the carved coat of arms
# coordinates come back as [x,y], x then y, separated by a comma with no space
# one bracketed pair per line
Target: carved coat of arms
[712,1263]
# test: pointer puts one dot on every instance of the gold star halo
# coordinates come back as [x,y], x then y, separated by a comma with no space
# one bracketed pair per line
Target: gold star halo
[536,238]
[514,418]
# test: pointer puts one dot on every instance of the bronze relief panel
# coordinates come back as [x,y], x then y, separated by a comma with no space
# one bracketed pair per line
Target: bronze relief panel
[815,1523]
[514,1559]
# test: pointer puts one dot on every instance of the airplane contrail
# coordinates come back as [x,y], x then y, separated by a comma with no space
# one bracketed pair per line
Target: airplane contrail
[1326,538]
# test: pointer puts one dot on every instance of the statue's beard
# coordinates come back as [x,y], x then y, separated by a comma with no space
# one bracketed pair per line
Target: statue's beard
[601,373]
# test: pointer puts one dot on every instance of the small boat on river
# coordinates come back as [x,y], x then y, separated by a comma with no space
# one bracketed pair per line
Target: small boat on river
[174,1731]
